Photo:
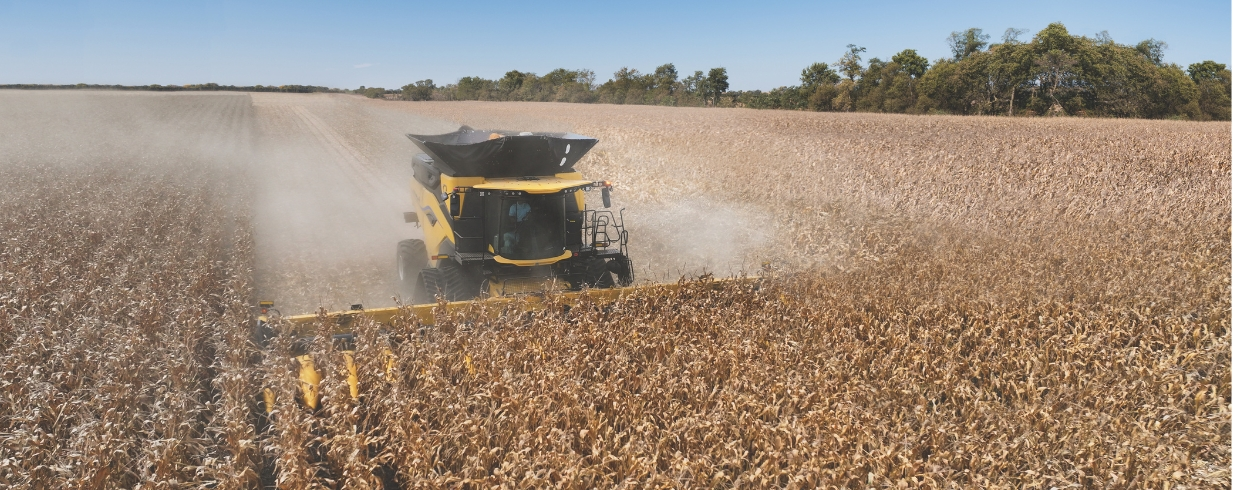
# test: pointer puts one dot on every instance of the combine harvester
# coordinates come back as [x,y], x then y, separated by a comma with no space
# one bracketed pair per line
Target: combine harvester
[504,218]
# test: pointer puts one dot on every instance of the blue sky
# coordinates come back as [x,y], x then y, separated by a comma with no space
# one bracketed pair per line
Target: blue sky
[388,44]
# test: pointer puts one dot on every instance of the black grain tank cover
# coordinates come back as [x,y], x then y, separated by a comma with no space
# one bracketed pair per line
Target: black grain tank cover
[468,152]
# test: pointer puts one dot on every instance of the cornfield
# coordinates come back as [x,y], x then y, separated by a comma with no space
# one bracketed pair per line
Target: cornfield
[933,302]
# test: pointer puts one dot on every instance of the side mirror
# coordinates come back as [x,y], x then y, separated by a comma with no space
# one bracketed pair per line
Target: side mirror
[607,197]
[454,204]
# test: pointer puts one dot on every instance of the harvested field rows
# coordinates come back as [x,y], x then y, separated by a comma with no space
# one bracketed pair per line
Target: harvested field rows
[945,301]
[125,273]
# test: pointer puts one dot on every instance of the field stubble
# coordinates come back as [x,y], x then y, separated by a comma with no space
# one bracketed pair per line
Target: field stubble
[126,272]
[950,301]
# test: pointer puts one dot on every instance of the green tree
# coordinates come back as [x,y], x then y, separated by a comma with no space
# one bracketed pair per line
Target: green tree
[586,77]
[822,98]
[579,89]
[1012,35]
[850,63]
[1152,49]
[843,100]
[1054,36]
[898,81]
[693,84]
[1173,94]
[1055,71]
[912,64]
[978,92]
[1116,79]
[625,87]
[666,79]
[472,88]
[965,43]
[576,86]
[1206,70]
[1009,70]
[867,93]
[817,74]
[817,88]
[715,84]
[512,81]
[420,90]
[940,88]
[777,98]
[1214,89]
[560,76]
[1056,66]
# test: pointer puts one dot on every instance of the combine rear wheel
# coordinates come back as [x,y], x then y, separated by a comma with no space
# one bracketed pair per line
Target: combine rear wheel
[411,258]
[597,275]
[623,268]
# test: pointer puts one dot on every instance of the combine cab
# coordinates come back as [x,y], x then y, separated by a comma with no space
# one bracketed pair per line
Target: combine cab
[505,213]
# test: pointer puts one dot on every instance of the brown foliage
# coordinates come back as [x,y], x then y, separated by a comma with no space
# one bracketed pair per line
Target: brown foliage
[952,302]
[124,277]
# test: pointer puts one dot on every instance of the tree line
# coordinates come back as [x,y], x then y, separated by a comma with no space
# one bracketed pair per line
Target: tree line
[1055,73]
[299,89]
[627,86]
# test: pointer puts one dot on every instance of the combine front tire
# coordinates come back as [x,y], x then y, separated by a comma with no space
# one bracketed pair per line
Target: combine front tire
[430,282]
[457,283]
[449,280]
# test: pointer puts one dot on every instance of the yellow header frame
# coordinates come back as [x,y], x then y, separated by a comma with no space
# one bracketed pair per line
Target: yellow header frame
[426,313]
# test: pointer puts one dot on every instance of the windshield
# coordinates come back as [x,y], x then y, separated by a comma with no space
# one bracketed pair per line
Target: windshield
[530,227]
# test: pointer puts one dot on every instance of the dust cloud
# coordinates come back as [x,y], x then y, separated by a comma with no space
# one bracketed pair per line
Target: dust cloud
[91,142]
[328,210]
[70,132]
[676,227]
[693,237]
[335,174]
[323,180]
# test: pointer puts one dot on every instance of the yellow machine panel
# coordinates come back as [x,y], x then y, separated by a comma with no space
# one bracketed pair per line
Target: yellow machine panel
[539,186]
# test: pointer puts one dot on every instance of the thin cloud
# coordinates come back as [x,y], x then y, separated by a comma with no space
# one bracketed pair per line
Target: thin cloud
[365,65]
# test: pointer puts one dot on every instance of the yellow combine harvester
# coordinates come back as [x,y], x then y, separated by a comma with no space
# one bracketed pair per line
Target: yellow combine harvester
[502,214]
